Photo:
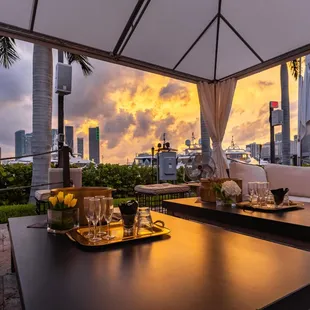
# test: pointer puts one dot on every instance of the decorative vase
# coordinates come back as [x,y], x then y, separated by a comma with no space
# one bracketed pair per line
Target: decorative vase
[229,201]
[61,221]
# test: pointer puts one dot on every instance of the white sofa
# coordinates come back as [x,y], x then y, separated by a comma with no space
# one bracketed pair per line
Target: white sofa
[296,179]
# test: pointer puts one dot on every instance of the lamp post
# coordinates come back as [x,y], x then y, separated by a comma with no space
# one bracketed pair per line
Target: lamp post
[272,105]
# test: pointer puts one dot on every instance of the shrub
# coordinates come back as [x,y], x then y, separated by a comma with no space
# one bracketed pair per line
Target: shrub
[120,177]
[15,176]
[15,211]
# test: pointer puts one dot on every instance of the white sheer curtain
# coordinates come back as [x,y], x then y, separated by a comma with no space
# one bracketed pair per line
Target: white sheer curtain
[216,100]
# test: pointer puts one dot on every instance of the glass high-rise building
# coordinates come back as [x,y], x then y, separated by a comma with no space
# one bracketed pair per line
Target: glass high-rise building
[28,143]
[54,135]
[19,142]
[94,144]
[80,147]
[69,137]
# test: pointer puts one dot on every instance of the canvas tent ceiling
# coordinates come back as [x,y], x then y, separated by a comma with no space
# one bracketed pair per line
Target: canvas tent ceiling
[191,40]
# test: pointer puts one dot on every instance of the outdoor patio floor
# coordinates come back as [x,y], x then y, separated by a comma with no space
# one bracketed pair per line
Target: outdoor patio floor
[9,295]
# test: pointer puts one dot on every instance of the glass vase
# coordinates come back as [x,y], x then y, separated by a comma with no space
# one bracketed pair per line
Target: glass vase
[61,221]
[228,201]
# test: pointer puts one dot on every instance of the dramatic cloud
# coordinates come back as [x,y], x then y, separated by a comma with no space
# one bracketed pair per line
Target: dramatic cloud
[116,127]
[144,122]
[264,84]
[133,108]
[174,89]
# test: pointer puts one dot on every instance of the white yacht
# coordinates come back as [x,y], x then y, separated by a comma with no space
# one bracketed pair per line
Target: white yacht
[144,159]
[234,152]
[192,148]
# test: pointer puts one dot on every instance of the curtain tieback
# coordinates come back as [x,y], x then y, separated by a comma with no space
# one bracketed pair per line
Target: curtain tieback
[217,145]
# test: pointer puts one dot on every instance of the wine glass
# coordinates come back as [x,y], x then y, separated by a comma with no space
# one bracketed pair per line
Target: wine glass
[252,189]
[107,213]
[88,216]
[94,211]
[263,189]
[102,201]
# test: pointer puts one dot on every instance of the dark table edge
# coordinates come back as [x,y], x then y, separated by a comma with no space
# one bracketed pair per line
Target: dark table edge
[14,267]
[291,230]
[298,299]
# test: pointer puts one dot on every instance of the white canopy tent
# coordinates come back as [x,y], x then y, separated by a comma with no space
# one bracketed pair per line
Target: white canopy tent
[196,40]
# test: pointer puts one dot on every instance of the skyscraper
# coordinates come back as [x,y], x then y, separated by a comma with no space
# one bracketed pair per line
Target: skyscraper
[19,142]
[54,136]
[254,149]
[80,147]
[69,136]
[94,144]
[28,143]
[278,137]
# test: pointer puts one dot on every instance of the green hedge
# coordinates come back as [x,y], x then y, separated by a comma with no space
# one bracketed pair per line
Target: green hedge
[15,211]
[120,177]
[14,176]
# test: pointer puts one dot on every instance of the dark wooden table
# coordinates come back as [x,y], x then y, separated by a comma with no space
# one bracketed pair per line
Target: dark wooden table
[198,267]
[293,225]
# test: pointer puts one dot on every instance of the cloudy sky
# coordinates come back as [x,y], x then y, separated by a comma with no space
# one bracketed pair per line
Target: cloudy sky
[133,108]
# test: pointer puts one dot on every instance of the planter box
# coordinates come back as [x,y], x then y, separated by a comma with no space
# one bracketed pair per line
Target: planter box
[207,192]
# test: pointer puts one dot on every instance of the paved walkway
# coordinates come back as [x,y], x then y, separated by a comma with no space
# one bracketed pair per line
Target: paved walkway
[9,296]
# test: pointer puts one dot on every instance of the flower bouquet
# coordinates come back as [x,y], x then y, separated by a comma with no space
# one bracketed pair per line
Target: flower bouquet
[226,193]
[62,214]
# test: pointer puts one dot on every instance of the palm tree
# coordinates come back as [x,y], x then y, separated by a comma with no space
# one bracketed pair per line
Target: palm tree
[8,53]
[42,109]
[42,101]
[285,104]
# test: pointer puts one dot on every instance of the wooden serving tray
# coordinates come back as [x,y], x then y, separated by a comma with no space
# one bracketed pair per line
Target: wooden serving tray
[270,207]
[117,230]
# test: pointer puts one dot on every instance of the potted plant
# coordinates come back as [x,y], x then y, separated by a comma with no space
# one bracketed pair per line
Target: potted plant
[226,193]
[62,214]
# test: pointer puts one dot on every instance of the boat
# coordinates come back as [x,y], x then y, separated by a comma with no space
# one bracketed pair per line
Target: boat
[192,149]
[144,160]
[235,153]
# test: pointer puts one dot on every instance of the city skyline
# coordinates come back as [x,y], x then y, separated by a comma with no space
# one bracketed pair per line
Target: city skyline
[134,108]
[23,141]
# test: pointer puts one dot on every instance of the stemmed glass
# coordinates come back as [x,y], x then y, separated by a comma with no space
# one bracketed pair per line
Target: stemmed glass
[252,189]
[263,190]
[101,201]
[107,213]
[94,211]
[88,215]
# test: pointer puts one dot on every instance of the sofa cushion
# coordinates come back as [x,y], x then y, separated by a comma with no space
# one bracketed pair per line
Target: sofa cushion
[42,194]
[296,179]
[247,173]
[300,199]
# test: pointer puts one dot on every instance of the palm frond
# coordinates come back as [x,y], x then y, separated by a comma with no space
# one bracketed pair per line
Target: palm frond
[83,61]
[8,54]
[295,68]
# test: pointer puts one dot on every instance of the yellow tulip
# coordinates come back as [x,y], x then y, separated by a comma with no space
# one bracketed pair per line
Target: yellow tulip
[68,199]
[53,201]
[60,197]
[73,202]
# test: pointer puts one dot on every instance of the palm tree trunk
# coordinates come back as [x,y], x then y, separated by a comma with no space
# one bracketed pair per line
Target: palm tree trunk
[286,141]
[205,140]
[41,114]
